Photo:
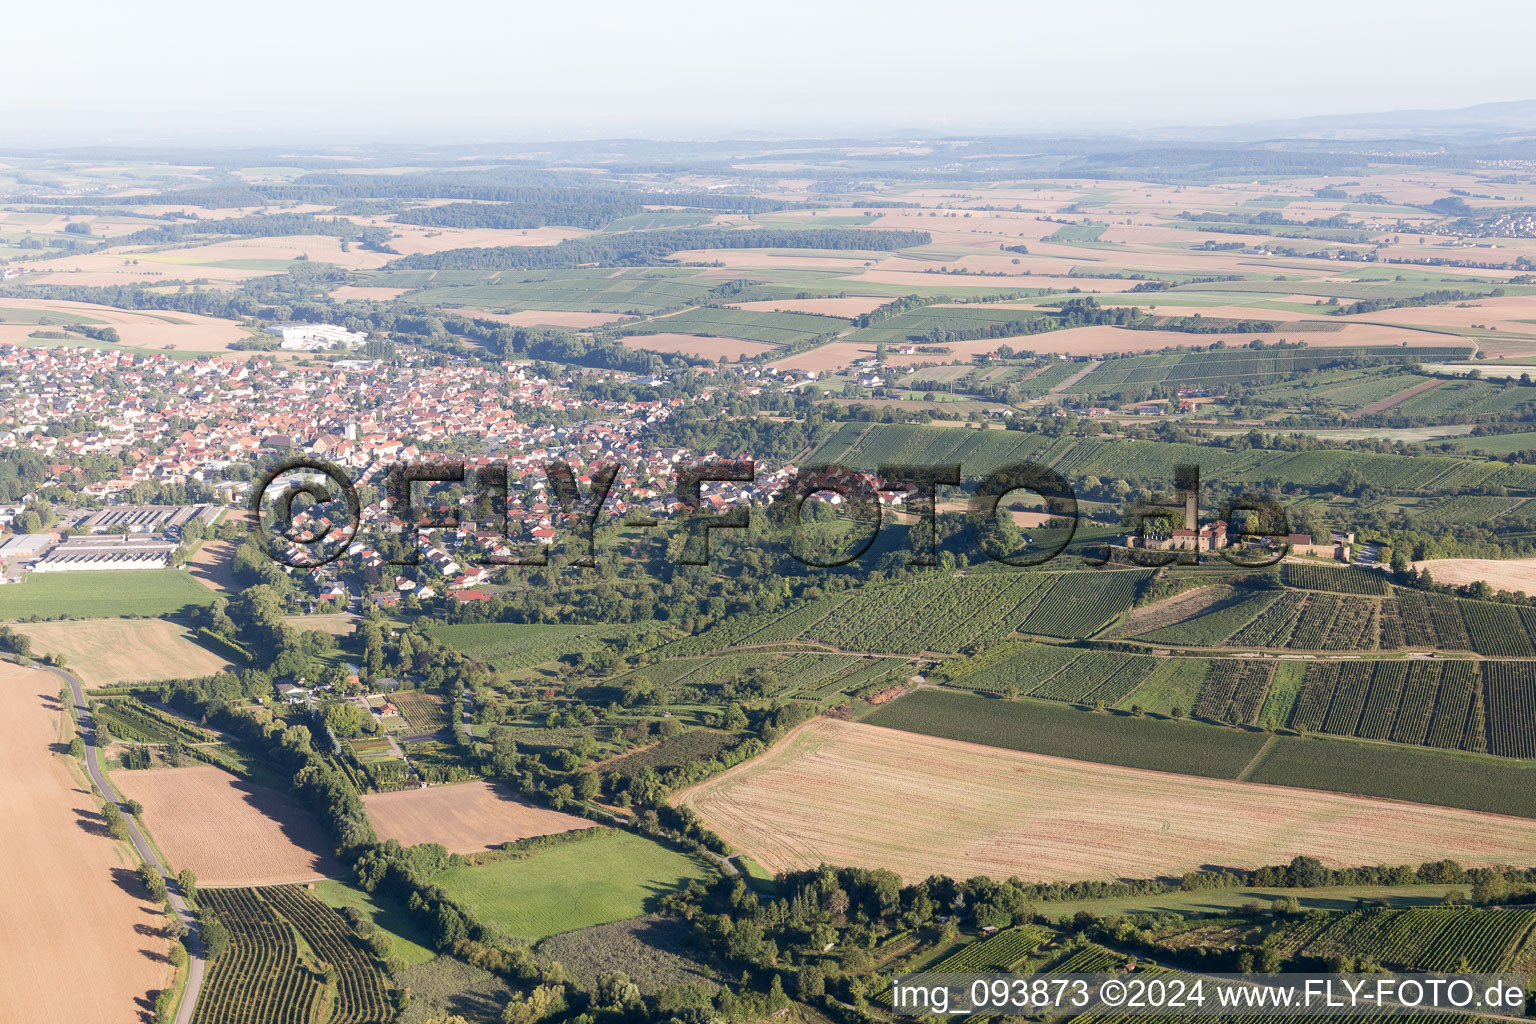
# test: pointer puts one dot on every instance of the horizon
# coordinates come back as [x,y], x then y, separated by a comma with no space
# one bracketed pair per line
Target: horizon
[852,70]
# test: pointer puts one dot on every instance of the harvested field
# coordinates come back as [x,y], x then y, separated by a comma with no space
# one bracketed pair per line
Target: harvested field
[213,565]
[465,818]
[149,329]
[107,651]
[696,345]
[229,831]
[926,805]
[1499,573]
[73,898]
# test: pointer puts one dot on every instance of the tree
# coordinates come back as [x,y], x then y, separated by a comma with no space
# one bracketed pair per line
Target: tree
[1306,872]
[153,882]
[187,881]
[215,937]
[77,748]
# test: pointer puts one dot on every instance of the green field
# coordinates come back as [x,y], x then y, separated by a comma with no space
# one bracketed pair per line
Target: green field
[1402,773]
[102,595]
[611,877]
[1185,747]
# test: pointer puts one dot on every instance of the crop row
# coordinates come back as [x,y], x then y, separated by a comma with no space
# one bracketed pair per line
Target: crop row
[360,996]
[673,752]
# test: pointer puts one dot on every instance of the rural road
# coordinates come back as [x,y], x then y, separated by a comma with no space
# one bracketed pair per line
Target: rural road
[196,964]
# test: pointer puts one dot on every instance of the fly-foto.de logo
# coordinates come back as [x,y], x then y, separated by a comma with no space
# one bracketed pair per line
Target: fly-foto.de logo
[310,512]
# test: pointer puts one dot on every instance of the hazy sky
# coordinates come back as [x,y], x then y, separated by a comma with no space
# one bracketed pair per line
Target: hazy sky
[466,70]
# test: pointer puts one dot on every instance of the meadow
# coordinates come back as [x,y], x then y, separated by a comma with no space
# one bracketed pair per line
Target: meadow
[610,877]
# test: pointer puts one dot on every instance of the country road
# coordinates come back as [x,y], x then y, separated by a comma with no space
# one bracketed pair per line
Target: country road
[197,965]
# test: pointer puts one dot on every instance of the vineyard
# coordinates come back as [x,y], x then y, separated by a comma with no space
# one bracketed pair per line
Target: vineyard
[1420,938]
[1001,952]
[1420,702]
[263,978]
[1509,690]
[933,613]
[1336,578]
[1226,366]
[1235,691]
[1215,624]
[1068,674]
[1079,604]
[867,446]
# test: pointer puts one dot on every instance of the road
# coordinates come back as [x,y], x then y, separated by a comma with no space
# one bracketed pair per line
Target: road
[197,965]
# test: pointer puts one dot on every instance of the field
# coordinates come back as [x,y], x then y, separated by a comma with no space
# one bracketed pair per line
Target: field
[263,975]
[508,646]
[73,898]
[1514,574]
[107,651]
[950,613]
[611,877]
[213,566]
[1402,773]
[933,806]
[229,831]
[1408,702]
[102,595]
[466,817]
